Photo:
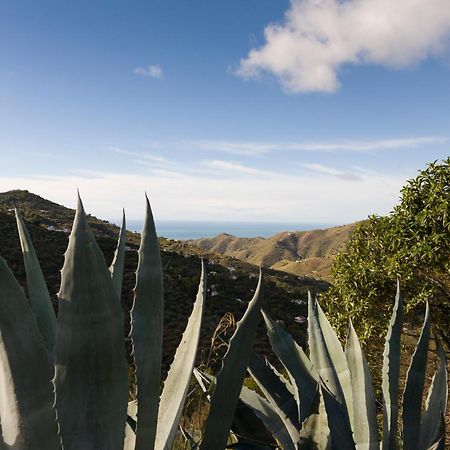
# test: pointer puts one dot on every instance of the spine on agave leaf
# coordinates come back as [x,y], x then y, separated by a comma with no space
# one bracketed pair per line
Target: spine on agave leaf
[365,430]
[231,376]
[27,415]
[146,333]
[391,375]
[38,295]
[432,424]
[118,261]
[91,368]
[415,379]
[302,374]
[178,379]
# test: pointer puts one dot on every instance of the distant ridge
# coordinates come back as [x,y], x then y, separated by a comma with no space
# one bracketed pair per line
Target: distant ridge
[308,253]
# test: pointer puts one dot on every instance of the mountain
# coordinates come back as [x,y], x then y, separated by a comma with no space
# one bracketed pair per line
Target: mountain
[302,253]
[231,282]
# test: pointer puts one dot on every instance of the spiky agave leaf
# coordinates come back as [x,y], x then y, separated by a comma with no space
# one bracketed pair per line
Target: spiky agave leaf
[274,389]
[91,368]
[365,430]
[315,432]
[146,332]
[432,425]
[178,379]
[268,416]
[391,375]
[415,379]
[38,295]
[27,416]
[231,376]
[302,374]
[116,267]
[328,357]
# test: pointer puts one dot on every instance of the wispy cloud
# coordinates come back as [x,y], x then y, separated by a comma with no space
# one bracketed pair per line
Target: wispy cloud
[308,198]
[232,166]
[141,157]
[363,145]
[152,71]
[331,171]
[317,37]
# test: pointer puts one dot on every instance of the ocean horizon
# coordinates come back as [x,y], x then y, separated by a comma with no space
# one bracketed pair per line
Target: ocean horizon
[183,230]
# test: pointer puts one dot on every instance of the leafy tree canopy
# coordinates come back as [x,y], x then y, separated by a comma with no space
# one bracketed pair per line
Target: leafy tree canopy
[411,245]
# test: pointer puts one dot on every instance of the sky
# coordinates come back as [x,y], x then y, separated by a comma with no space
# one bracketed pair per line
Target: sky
[255,110]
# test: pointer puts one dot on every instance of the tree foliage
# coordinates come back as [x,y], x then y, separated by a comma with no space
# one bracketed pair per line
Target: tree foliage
[412,245]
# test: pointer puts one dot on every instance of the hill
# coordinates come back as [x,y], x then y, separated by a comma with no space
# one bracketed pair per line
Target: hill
[302,253]
[231,282]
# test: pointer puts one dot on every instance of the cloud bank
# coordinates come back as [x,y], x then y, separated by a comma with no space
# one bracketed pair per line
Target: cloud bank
[317,37]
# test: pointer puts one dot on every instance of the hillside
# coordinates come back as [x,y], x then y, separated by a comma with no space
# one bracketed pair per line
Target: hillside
[231,282]
[302,253]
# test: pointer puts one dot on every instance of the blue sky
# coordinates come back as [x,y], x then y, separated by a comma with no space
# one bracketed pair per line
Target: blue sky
[255,110]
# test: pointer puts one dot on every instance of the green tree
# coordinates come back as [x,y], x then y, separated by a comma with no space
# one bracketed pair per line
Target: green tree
[412,245]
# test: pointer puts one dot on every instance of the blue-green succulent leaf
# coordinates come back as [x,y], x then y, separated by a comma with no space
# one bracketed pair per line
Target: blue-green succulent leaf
[415,379]
[391,375]
[231,376]
[118,261]
[178,379]
[365,430]
[38,295]
[146,333]
[302,374]
[91,376]
[27,415]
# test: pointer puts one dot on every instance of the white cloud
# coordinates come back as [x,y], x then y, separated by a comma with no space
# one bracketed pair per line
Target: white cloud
[143,158]
[152,71]
[317,37]
[331,171]
[367,145]
[232,166]
[309,198]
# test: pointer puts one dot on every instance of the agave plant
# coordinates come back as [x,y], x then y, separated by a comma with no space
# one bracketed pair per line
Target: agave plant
[328,400]
[64,379]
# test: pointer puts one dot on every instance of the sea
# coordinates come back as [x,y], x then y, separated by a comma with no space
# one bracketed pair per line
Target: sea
[183,230]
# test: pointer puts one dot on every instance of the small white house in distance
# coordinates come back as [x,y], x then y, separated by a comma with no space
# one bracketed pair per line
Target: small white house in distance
[300,319]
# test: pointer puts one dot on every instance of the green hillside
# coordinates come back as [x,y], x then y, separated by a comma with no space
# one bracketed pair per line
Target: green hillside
[231,282]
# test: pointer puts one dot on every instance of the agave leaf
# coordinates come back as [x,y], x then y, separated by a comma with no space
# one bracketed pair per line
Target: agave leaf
[118,261]
[301,372]
[328,357]
[364,401]
[91,368]
[281,400]
[178,379]
[432,422]
[268,416]
[391,375]
[231,376]
[38,295]
[146,332]
[415,379]
[341,433]
[27,416]
[130,427]
[245,424]
[315,433]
